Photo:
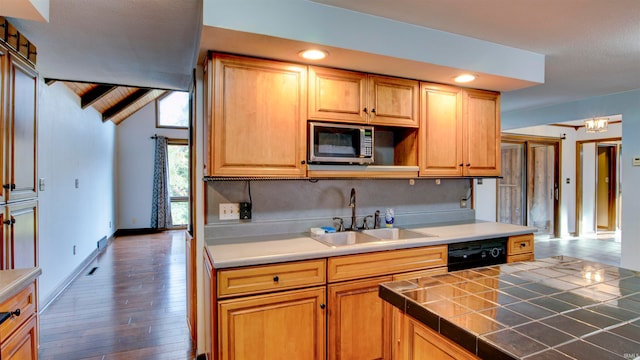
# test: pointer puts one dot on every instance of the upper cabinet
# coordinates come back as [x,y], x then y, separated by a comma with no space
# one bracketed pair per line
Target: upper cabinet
[459,132]
[481,112]
[257,124]
[21,118]
[348,96]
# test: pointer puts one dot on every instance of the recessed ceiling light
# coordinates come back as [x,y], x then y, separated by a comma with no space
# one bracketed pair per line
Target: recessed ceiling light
[464,78]
[313,54]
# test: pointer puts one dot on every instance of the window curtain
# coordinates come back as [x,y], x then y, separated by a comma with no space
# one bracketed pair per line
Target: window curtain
[161,204]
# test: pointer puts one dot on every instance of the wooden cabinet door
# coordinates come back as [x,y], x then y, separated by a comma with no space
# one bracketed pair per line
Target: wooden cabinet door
[23,344]
[285,325]
[393,101]
[259,118]
[210,307]
[481,111]
[337,95]
[440,141]
[359,321]
[3,136]
[22,235]
[21,124]
[420,342]
[190,258]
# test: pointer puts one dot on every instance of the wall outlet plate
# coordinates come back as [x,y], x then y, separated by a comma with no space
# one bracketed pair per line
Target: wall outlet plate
[229,211]
[245,210]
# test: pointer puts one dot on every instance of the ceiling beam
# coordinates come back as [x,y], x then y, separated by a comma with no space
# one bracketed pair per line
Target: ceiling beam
[95,94]
[120,106]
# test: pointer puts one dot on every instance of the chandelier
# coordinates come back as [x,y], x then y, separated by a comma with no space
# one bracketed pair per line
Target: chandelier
[596,125]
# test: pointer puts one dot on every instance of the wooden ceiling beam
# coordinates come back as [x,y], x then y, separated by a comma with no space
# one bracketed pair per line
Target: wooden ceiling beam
[124,103]
[95,94]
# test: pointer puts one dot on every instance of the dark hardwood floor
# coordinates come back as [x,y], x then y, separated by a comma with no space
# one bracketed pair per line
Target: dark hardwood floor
[131,307]
[603,248]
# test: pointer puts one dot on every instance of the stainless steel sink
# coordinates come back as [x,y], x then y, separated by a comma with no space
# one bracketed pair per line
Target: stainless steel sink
[395,234]
[345,238]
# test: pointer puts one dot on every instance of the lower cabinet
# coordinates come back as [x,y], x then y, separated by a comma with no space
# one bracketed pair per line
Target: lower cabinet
[359,321]
[419,342]
[285,325]
[23,344]
[520,248]
[19,230]
[19,333]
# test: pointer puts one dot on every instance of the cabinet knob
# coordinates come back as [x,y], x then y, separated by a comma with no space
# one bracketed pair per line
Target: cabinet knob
[303,162]
[373,111]
[9,186]
[365,110]
[16,312]
[322,306]
[9,222]
[468,164]
[523,245]
[276,278]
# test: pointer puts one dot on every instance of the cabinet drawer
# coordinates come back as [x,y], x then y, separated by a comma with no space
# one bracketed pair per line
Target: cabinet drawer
[25,300]
[259,279]
[520,257]
[520,244]
[385,262]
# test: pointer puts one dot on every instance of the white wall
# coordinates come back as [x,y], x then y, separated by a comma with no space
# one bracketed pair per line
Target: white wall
[134,159]
[72,144]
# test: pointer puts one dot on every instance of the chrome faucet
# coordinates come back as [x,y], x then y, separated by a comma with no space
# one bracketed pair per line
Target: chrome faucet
[352,205]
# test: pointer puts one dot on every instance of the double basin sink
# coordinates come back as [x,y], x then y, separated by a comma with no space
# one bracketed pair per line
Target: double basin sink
[368,236]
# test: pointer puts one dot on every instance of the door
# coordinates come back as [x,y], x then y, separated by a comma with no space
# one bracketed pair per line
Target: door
[606,189]
[528,192]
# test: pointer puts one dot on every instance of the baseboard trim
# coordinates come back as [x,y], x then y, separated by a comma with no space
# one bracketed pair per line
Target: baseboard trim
[141,231]
[80,269]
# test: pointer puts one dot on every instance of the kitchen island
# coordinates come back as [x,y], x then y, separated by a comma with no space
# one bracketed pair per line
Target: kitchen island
[552,308]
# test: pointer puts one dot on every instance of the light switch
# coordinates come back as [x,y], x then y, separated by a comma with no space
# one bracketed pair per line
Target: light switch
[41,184]
[636,161]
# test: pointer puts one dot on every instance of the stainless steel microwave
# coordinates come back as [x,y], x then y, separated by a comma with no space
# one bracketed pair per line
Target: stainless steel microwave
[340,143]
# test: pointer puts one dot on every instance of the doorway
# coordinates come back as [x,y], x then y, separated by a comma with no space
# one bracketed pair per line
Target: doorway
[599,190]
[528,192]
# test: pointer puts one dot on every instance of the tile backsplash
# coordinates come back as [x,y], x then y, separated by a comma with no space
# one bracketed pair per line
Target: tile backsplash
[281,206]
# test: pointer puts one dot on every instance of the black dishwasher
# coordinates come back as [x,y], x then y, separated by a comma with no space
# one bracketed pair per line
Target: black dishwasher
[471,254]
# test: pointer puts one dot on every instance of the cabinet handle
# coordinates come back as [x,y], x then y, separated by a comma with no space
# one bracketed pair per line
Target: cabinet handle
[373,111]
[365,110]
[468,164]
[303,162]
[9,186]
[16,312]
[276,278]
[460,164]
[322,306]
[523,245]
[9,222]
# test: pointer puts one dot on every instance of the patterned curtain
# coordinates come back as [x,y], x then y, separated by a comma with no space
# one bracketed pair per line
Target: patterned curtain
[161,205]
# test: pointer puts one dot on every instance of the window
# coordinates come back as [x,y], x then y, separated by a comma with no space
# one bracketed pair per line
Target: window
[178,153]
[173,110]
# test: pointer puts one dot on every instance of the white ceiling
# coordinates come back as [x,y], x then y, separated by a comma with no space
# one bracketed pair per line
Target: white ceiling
[591,47]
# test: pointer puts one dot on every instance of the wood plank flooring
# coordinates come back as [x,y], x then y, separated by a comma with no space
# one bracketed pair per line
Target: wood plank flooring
[131,307]
[606,250]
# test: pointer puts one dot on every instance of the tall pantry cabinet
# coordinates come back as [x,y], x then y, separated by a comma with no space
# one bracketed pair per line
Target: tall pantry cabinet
[18,175]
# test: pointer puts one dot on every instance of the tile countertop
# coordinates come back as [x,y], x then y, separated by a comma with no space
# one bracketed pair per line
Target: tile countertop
[552,308]
[257,250]
[12,281]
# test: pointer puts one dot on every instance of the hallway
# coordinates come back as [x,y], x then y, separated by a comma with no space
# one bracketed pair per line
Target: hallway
[131,307]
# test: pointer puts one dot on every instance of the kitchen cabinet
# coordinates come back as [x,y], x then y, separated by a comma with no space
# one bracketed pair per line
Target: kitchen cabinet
[210,318]
[257,124]
[284,325]
[459,132]
[520,248]
[420,342]
[359,321]
[19,334]
[354,97]
[21,235]
[190,264]
[19,180]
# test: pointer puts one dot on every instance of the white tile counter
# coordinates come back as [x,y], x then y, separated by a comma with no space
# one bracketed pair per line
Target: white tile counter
[257,250]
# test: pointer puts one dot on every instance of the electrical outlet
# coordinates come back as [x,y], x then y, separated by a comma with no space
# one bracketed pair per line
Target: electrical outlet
[245,210]
[229,211]
[463,203]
